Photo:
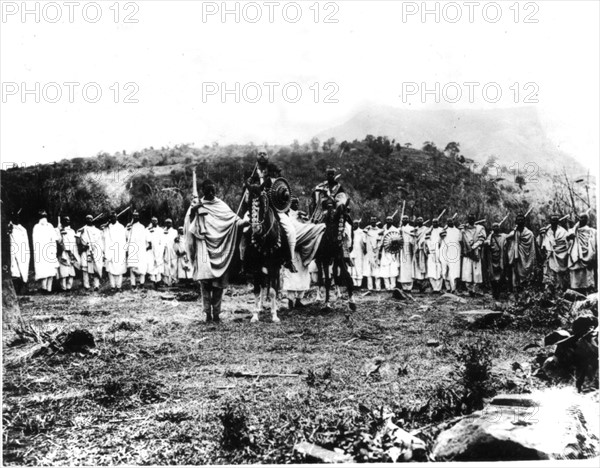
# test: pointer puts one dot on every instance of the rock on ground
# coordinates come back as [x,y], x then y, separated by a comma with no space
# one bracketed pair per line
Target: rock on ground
[552,424]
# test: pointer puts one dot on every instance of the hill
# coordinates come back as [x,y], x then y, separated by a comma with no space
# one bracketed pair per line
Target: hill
[513,135]
[378,173]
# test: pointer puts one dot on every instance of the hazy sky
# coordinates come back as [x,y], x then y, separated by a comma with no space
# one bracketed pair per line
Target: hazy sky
[369,55]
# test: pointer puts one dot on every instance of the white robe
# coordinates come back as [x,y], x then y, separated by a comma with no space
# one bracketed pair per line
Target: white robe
[45,250]
[170,266]
[434,265]
[156,255]
[450,254]
[69,259]
[92,259]
[115,248]
[357,254]
[137,243]
[370,242]
[20,254]
[406,254]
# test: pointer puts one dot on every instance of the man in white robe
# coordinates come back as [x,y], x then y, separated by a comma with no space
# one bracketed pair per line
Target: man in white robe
[92,256]
[371,239]
[20,254]
[115,252]
[420,254]
[356,271]
[170,265]
[450,255]
[138,245]
[473,237]
[156,254]
[388,263]
[45,259]
[583,259]
[434,264]
[68,255]
[407,255]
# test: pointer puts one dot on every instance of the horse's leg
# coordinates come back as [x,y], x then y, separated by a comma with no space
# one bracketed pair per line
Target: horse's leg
[349,282]
[274,278]
[320,269]
[257,297]
[274,292]
[327,284]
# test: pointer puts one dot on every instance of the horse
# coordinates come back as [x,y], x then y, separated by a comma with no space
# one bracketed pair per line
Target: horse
[331,252]
[265,253]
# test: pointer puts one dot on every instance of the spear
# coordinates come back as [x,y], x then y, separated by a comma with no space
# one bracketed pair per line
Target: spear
[246,190]
[194,185]
[124,211]
[441,214]
[528,211]
[403,206]
[503,219]
[481,221]
[98,217]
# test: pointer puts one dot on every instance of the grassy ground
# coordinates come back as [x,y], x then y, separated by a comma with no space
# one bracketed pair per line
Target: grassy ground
[161,387]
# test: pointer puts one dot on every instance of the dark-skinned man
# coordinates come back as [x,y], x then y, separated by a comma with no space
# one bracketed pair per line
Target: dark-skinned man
[434,265]
[521,252]
[258,185]
[472,239]
[92,263]
[406,254]
[138,245]
[371,239]
[45,252]
[115,250]
[496,259]
[330,188]
[583,258]
[20,253]
[68,256]
[212,232]
[555,249]
[450,255]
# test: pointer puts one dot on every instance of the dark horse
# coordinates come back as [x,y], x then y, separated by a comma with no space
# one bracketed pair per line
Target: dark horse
[264,256]
[332,251]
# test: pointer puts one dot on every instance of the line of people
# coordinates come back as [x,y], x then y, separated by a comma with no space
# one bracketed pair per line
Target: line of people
[439,257]
[156,252]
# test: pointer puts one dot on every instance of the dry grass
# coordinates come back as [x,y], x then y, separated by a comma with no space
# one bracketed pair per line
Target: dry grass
[158,389]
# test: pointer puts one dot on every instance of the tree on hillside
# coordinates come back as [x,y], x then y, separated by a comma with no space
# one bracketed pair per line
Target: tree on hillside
[520,181]
[452,148]
[329,144]
[429,147]
[408,145]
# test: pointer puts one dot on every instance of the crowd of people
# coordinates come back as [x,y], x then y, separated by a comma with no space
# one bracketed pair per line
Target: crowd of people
[413,254]
[443,257]
[153,252]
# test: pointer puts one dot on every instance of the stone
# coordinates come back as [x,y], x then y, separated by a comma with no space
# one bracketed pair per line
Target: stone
[551,424]
[315,452]
[453,297]
[433,343]
[480,316]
